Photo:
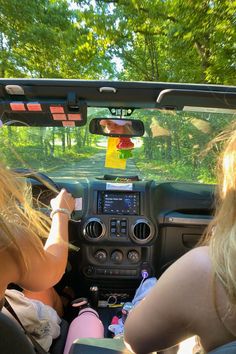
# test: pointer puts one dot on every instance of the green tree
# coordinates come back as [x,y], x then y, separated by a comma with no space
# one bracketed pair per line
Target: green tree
[49,39]
[171,40]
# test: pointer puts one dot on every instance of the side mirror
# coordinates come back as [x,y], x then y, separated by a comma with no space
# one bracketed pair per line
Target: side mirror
[116,127]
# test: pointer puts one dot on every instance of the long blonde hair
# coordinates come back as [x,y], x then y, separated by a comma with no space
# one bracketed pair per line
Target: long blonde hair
[17,213]
[221,234]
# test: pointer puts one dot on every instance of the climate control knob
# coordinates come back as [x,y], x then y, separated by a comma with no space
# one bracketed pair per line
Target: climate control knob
[133,256]
[100,256]
[117,256]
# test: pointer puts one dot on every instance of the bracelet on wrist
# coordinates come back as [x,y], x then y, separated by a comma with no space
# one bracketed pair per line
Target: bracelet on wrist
[60,210]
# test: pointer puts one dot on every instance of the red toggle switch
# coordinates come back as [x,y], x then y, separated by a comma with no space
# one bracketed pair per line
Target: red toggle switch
[17,106]
[57,109]
[34,107]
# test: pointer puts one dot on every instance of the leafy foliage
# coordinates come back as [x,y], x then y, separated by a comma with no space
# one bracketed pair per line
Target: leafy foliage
[170,40]
[158,40]
[48,39]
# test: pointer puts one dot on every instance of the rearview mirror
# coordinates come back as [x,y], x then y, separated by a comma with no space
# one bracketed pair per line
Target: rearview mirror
[116,127]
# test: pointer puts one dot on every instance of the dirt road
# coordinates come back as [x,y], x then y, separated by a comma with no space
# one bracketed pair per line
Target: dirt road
[92,167]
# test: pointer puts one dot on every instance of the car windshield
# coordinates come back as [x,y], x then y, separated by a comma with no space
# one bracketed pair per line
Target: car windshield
[174,147]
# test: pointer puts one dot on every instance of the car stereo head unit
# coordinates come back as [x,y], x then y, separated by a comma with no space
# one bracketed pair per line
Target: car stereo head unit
[120,203]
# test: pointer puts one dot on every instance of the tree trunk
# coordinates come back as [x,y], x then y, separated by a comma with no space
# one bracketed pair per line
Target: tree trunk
[68,139]
[63,141]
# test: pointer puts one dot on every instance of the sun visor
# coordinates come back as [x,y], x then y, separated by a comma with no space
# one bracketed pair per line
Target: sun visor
[183,99]
[20,110]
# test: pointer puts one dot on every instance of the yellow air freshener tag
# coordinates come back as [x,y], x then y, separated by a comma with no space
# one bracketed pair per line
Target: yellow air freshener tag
[112,155]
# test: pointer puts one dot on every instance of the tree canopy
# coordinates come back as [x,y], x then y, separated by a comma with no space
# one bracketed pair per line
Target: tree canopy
[158,40]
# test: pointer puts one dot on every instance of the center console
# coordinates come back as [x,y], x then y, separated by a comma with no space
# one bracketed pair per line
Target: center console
[119,232]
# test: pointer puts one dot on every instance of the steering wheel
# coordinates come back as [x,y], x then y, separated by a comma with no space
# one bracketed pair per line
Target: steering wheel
[38,176]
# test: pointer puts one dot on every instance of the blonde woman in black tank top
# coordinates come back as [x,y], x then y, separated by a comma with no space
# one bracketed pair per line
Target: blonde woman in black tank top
[197,294]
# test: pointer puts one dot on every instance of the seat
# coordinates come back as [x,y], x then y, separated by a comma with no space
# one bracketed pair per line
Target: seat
[12,338]
[14,341]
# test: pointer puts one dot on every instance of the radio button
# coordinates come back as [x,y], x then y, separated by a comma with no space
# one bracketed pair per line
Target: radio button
[113,223]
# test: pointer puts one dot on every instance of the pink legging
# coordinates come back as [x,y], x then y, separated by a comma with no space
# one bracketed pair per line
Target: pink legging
[86,325]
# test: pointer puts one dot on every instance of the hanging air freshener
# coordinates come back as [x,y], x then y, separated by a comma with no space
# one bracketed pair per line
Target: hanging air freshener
[125,147]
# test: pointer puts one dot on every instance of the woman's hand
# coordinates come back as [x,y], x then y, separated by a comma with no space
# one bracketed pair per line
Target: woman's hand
[63,200]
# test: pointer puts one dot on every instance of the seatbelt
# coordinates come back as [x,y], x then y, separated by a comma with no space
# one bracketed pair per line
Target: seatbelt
[37,347]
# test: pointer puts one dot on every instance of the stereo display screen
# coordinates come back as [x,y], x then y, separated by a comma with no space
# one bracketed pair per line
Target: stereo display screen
[121,203]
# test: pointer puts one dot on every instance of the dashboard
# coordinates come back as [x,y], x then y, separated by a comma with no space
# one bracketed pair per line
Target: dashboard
[123,229]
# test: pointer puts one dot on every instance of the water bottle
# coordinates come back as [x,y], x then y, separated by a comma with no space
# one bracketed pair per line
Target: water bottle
[86,325]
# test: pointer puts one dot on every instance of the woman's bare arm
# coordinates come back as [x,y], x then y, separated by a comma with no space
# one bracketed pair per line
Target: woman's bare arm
[165,316]
[47,269]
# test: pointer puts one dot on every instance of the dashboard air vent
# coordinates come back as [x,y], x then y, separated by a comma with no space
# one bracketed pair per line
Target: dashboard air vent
[94,229]
[142,231]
